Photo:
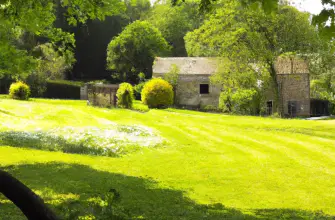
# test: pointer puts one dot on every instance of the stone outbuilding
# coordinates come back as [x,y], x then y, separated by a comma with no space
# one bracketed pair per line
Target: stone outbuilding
[195,90]
[294,87]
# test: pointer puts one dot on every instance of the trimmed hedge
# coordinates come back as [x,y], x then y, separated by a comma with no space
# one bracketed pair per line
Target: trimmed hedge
[157,93]
[63,89]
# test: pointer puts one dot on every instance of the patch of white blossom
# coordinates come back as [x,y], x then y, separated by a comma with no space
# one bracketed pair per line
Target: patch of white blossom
[109,140]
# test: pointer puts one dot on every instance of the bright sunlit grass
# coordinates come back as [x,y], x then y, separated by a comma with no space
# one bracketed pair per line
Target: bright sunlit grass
[210,165]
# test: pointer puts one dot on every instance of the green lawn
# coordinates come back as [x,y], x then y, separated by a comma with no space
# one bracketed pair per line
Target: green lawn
[202,165]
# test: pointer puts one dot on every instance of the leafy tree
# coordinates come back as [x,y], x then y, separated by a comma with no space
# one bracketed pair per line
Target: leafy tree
[93,37]
[241,87]
[134,50]
[136,9]
[36,18]
[322,69]
[172,77]
[246,37]
[175,22]
[325,20]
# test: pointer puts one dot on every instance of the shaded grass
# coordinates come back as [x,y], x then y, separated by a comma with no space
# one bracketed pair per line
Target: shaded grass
[108,195]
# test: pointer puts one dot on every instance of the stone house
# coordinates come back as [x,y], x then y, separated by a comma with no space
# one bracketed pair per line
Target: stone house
[294,88]
[195,90]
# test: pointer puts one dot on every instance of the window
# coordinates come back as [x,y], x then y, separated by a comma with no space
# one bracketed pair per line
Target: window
[269,105]
[204,89]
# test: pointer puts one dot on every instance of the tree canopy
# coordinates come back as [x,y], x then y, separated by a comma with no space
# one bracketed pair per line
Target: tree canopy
[174,22]
[134,50]
[37,18]
[252,36]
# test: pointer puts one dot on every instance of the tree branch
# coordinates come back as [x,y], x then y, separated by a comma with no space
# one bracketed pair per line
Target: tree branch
[30,204]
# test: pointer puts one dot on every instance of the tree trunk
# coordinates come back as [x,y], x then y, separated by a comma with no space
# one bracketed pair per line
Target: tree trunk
[30,204]
[277,97]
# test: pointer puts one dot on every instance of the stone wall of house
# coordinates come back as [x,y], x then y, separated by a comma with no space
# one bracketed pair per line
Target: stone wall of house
[295,88]
[188,90]
[291,65]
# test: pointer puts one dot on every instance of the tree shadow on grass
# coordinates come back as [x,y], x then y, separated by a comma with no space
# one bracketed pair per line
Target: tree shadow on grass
[74,190]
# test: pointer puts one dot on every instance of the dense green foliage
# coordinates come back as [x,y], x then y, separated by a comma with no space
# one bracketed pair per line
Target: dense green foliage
[172,77]
[62,89]
[325,20]
[134,50]
[26,24]
[213,166]
[37,82]
[157,93]
[174,22]
[250,42]
[19,90]
[322,68]
[239,102]
[125,95]
[102,31]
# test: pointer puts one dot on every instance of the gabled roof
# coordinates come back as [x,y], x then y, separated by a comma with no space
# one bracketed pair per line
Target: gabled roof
[187,65]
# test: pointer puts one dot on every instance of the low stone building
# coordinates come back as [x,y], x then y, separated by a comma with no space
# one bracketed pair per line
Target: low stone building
[195,90]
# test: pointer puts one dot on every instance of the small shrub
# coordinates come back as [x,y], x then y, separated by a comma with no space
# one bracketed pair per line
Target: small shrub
[125,95]
[140,107]
[19,90]
[138,90]
[275,115]
[209,108]
[157,93]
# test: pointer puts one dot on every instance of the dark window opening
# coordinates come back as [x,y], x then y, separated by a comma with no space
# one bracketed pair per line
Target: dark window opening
[292,108]
[269,105]
[204,89]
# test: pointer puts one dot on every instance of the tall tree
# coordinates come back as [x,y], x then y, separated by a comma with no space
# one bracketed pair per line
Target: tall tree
[92,39]
[37,18]
[322,68]
[253,36]
[134,50]
[175,22]
[325,20]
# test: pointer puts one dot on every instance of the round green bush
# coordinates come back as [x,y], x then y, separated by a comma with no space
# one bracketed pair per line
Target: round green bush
[157,93]
[125,95]
[19,90]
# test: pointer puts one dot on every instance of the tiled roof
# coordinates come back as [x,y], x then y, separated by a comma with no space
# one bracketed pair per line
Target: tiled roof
[187,65]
